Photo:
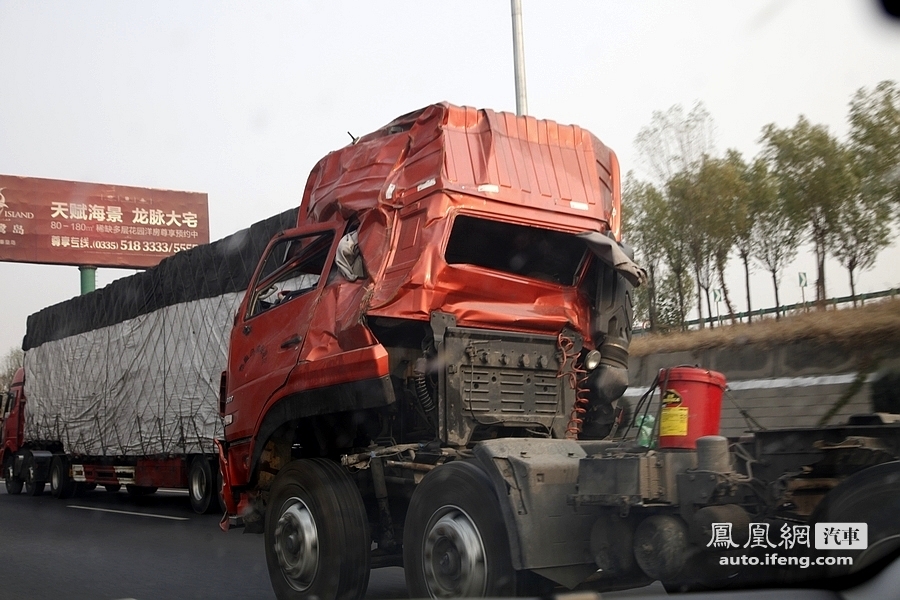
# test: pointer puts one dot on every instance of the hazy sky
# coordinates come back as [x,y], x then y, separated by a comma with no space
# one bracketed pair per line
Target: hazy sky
[240,99]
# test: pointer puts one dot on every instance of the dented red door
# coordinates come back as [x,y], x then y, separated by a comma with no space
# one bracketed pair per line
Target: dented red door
[271,326]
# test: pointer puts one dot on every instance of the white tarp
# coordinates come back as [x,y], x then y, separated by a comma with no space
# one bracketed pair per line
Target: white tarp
[148,385]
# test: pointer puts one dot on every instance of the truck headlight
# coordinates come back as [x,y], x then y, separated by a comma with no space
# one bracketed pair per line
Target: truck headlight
[592,360]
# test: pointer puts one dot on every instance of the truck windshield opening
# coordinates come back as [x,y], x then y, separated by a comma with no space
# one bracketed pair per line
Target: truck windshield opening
[531,252]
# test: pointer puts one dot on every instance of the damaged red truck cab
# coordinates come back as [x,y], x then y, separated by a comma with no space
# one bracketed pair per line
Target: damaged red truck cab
[455,280]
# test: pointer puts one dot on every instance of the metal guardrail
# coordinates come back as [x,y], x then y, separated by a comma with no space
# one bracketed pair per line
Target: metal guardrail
[805,306]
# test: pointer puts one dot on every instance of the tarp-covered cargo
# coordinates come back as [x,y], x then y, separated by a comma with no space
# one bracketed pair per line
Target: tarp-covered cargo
[133,368]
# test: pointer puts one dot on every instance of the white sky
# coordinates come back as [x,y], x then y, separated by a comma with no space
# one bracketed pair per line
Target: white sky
[240,99]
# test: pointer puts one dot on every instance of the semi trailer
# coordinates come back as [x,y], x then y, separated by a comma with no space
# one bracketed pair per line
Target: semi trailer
[120,386]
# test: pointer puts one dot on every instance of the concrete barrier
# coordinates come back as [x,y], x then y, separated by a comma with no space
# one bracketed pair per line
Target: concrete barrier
[800,384]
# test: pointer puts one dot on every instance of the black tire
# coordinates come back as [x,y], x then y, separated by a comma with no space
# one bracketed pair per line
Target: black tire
[136,491]
[869,496]
[112,488]
[14,483]
[61,484]
[202,486]
[455,542]
[82,488]
[317,533]
[33,485]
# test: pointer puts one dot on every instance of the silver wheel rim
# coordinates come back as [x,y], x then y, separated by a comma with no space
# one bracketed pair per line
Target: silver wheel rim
[198,485]
[297,544]
[54,479]
[455,560]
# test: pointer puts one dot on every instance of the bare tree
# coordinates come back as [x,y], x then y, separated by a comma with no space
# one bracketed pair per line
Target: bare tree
[11,362]
[675,142]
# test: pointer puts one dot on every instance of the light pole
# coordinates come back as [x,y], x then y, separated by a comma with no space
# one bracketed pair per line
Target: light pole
[519,58]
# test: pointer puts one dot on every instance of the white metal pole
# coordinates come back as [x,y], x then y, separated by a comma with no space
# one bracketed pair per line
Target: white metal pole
[519,58]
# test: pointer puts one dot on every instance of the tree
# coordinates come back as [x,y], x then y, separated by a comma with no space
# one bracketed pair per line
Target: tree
[12,361]
[672,147]
[875,141]
[687,208]
[814,180]
[672,308]
[862,232]
[722,193]
[675,142]
[776,232]
[755,192]
[874,148]
[644,227]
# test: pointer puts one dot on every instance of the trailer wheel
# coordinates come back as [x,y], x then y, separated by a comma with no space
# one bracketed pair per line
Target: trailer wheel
[136,491]
[112,488]
[869,496]
[61,485]
[202,486]
[317,533]
[13,484]
[33,485]
[454,541]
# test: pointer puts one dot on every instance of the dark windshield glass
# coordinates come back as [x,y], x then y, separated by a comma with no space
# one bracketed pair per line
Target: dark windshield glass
[527,251]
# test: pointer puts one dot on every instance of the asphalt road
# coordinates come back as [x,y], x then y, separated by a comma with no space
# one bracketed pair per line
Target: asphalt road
[108,546]
[103,546]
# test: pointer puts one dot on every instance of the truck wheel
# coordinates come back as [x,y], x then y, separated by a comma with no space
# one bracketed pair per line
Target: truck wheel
[112,488]
[13,483]
[317,533]
[61,485]
[33,486]
[454,540]
[202,486]
[136,491]
[869,496]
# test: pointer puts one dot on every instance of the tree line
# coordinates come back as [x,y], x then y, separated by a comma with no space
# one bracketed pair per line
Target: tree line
[697,210]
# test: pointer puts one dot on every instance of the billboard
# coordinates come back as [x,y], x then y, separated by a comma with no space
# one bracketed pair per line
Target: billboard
[51,221]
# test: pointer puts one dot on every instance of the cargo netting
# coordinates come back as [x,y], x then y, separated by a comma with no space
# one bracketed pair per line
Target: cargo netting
[134,368]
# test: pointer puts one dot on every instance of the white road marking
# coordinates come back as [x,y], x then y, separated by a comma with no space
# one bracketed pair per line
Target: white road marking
[127,512]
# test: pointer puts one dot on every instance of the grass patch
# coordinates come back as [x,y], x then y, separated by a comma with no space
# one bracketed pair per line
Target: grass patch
[875,324]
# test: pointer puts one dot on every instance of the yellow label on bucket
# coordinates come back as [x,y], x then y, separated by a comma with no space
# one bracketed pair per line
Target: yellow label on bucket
[673,421]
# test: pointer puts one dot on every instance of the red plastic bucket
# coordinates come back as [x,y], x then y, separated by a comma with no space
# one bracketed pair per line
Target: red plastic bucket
[691,405]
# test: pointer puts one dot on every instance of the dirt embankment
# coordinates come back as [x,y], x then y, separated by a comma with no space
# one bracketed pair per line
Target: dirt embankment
[873,325]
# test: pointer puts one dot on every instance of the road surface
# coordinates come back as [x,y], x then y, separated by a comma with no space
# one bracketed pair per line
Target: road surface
[109,546]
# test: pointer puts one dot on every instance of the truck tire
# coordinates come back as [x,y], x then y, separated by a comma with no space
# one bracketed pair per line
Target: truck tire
[454,541]
[317,533]
[136,491]
[33,485]
[869,496]
[13,483]
[202,486]
[61,484]
[112,488]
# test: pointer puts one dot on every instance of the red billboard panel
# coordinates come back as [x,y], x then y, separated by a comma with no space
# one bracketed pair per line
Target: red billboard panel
[50,221]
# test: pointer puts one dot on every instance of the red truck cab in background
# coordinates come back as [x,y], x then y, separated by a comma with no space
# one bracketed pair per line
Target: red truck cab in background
[12,413]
